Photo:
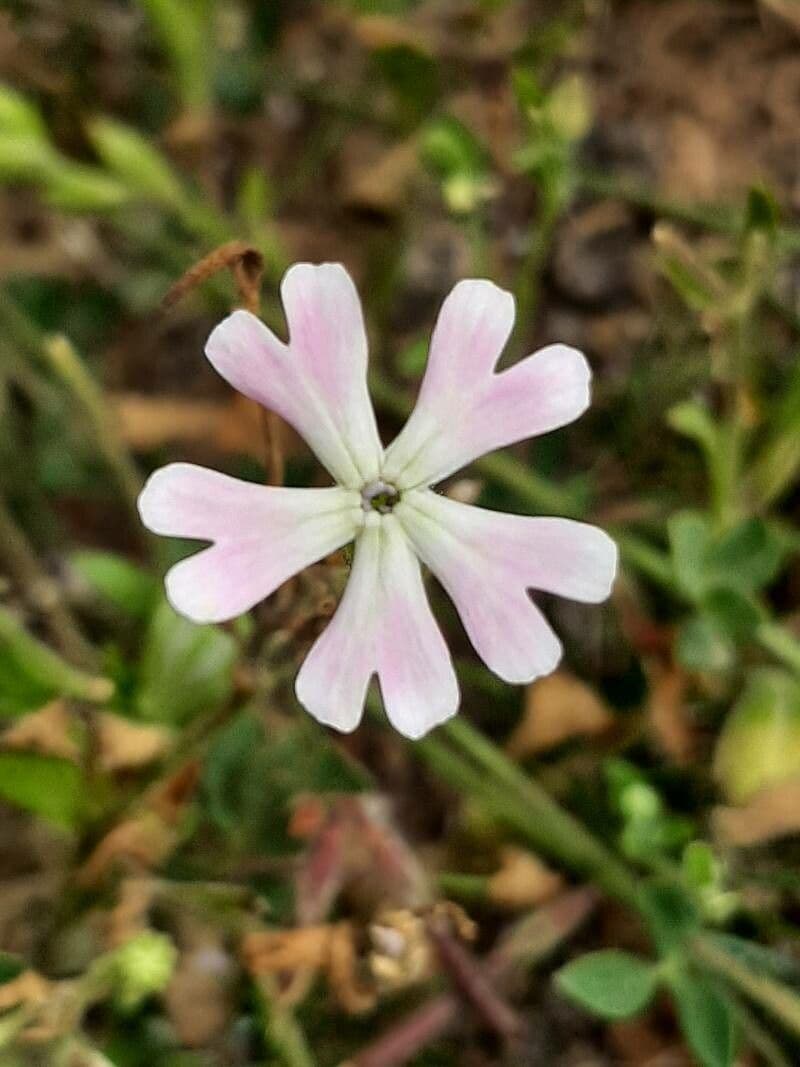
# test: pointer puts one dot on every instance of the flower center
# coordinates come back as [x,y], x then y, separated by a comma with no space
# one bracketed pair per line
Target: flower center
[379,496]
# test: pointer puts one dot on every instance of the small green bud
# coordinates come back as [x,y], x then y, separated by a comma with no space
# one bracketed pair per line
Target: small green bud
[640,803]
[141,968]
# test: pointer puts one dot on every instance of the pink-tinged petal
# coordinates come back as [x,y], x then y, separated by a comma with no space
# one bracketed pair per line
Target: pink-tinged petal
[464,408]
[487,561]
[382,626]
[318,381]
[262,535]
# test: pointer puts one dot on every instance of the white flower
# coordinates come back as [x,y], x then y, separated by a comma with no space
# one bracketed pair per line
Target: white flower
[486,561]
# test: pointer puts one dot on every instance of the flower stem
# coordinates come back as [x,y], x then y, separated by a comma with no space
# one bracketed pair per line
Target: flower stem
[782,1002]
[58,354]
[555,829]
[41,592]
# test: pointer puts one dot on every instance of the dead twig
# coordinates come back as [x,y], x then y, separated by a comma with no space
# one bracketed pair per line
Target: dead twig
[469,978]
[527,942]
[246,264]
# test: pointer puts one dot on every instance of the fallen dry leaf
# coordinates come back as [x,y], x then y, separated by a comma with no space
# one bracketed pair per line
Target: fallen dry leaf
[49,731]
[788,11]
[667,716]
[234,427]
[773,812]
[27,988]
[141,842]
[557,708]
[120,743]
[522,881]
[401,950]
[387,31]
[381,181]
[125,745]
[296,956]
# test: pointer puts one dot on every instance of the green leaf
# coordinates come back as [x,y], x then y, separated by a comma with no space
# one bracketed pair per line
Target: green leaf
[412,359]
[690,286]
[701,644]
[19,115]
[756,957]
[706,1019]
[131,590]
[185,31]
[185,668]
[31,673]
[701,869]
[49,787]
[80,189]
[450,149]
[671,915]
[134,160]
[11,967]
[611,984]
[759,745]
[762,211]
[733,613]
[689,535]
[694,421]
[747,558]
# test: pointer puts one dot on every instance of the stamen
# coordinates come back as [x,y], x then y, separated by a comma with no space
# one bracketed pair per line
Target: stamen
[379,496]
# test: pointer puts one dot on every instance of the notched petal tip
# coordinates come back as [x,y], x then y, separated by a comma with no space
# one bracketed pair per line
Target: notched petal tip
[185,595]
[156,501]
[430,721]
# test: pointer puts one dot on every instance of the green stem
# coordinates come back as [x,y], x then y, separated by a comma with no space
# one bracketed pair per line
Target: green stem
[557,831]
[281,1029]
[714,217]
[641,556]
[782,1002]
[40,591]
[470,887]
[58,354]
[528,286]
[783,645]
[506,793]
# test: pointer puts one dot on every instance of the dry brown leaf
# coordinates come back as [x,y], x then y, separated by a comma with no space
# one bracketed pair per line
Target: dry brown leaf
[295,956]
[27,988]
[401,953]
[147,422]
[522,881]
[124,745]
[386,31]
[667,717]
[557,708]
[788,11]
[141,842]
[282,951]
[773,812]
[381,183]
[48,731]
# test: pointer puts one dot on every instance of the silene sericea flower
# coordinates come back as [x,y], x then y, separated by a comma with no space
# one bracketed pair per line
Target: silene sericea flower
[384,500]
